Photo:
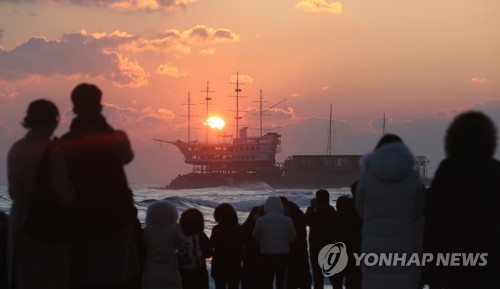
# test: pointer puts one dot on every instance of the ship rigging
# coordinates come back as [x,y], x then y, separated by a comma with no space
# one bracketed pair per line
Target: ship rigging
[242,154]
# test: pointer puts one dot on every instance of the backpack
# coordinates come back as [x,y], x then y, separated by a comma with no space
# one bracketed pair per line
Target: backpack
[190,256]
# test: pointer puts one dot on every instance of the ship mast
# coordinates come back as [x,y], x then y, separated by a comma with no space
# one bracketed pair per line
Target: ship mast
[189,117]
[383,126]
[329,146]
[207,99]
[237,117]
[261,110]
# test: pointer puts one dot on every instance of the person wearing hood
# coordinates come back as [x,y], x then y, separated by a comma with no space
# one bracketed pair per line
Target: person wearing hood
[389,198]
[274,231]
[162,238]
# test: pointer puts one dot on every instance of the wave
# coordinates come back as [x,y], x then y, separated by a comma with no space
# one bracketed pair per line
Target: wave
[261,186]
[145,203]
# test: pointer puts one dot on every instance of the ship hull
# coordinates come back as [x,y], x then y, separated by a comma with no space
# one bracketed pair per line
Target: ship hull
[297,171]
[271,179]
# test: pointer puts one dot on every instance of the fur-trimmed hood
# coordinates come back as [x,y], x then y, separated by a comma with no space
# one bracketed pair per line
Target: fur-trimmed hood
[390,162]
[161,212]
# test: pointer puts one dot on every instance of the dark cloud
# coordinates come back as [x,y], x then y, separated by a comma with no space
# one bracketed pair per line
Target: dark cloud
[123,5]
[201,34]
[181,43]
[224,34]
[139,118]
[45,57]
[99,54]
[78,53]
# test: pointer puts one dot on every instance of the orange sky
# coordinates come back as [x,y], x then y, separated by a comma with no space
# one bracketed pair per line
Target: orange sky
[419,62]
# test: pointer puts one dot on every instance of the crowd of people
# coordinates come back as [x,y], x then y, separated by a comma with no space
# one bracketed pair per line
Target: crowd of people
[269,250]
[57,236]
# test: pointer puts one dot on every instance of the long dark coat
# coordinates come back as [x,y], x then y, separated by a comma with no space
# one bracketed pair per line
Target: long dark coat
[463,216]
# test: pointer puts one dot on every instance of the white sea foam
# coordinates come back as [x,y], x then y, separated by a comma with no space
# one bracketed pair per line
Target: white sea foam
[242,198]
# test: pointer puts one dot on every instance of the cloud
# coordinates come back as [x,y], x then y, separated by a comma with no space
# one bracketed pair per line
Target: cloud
[446,113]
[242,79]
[131,74]
[125,5]
[101,54]
[316,6]
[8,90]
[201,34]
[424,135]
[272,118]
[310,136]
[479,80]
[170,41]
[170,70]
[489,106]
[181,43]
[208,51]
[376,124]
[135,118]
[79,53]
[165,5]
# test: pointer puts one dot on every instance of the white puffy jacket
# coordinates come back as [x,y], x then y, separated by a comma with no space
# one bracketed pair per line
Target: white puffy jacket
[389,198]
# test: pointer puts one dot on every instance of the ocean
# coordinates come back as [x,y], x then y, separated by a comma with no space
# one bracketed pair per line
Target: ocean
[243,199]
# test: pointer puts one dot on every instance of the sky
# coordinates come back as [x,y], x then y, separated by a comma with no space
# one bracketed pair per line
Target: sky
[419,63]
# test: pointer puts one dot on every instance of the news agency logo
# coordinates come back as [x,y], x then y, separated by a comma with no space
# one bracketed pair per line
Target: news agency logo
[332,259]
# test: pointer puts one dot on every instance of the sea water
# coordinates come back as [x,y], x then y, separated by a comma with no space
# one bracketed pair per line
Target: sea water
[243,199]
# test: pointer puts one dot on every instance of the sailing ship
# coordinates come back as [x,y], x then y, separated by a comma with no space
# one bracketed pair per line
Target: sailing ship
[240,155]
[246,159]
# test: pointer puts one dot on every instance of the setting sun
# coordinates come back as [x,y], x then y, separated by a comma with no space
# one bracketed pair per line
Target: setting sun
[215,122]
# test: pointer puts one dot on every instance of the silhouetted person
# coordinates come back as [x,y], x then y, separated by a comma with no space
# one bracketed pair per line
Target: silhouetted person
[463,206]
[389,198]
[274,231]
[194,273]
[298,274]
[349,232]
[250,274]
[4,229]
[431,274]
[33,263]
[162,237]
[105,251]
[227,243]
[322,221]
